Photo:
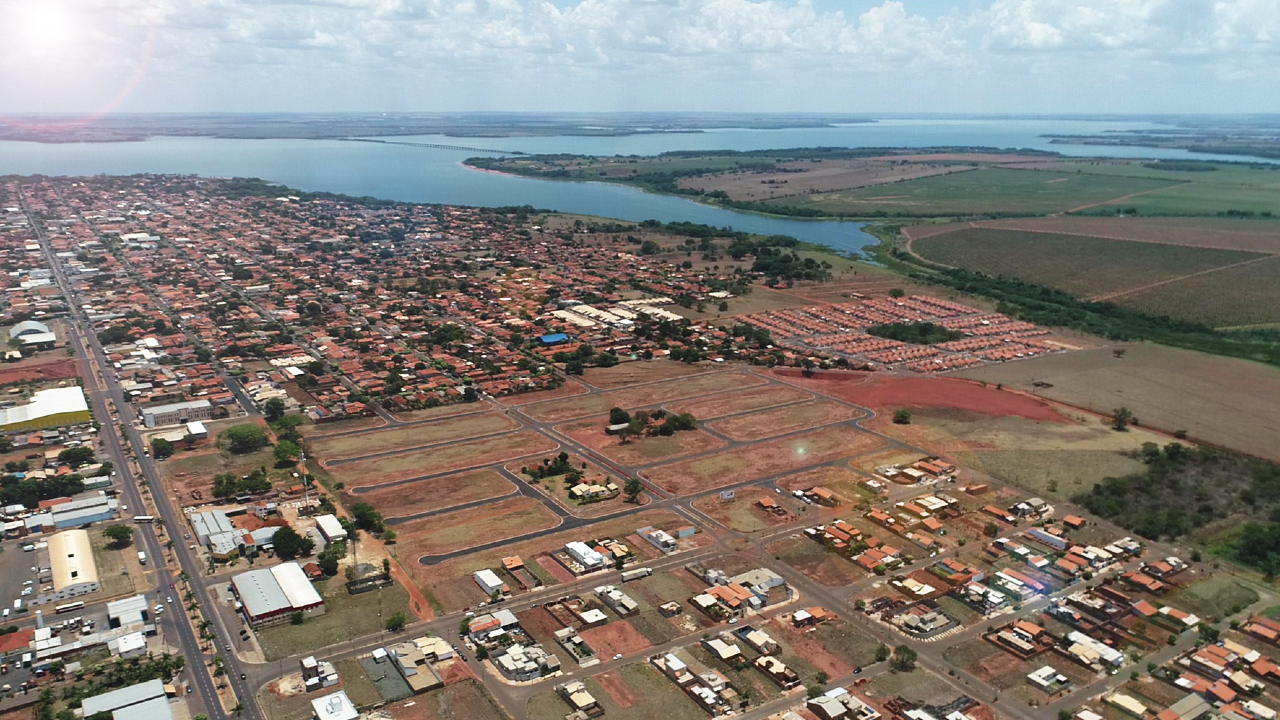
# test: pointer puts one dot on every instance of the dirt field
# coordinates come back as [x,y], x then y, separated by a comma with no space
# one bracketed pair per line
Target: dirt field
[460,530]
[569,388]
[800,177]
[421,496]
[1249,235]
[449,587]
[809,646]
[812,559]
[341,426]
[743,514]
[738,402]
[781,421]
[442,459]
[639,371]
[887,393]
[40,368]
[412,436]
[615,638]
[185,472]
[760,460]
[842,481]
[443,411]
[1234,403]
[463,701]
[599,404]
[642,450]
[617,688]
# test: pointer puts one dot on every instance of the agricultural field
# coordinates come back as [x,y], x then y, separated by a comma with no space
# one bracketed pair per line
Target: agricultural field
[760,460]
[1242,296]
[1234,403]
[771,423]
[739,402]
[421,463]
[411,436]
[421,496]
[1261,236]
[1082,266]
[806,176]
[640,451]
[468,528]
[983,191]
[599,404]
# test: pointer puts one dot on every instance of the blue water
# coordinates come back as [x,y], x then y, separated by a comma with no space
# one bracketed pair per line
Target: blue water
[416,174]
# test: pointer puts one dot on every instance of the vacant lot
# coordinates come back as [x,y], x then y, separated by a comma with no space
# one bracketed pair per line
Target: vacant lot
[567,389]
[346,617]
[457,456]
[843,481]
[420,496]
[739,402]
[1214,597]
[449,586]
[781,421]
[463,701]
[185,472]
[834,659]
[812,559]
[639,371]
[403,438]
[1230,402]
[633,692]
[988,190]
[443,411]
[615,638]
[761,460]
[886,393]
[571,408]
[742,514]
[642,450]
[463,529]
[1083,266]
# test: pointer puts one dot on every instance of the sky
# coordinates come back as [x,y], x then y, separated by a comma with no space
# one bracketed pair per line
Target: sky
[852,56]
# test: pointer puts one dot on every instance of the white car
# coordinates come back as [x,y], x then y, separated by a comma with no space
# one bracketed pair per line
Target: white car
[618,656]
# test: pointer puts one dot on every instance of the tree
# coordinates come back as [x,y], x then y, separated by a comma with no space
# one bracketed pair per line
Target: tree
[389,537]
[297,618]
[244,439]
[897,292]
[77,456]
[882,652]
[119,535]
[902,417]
[633,489]
[290,544]
[367,517]
[1120,419]
[161,448]
[903,660]
[469,394]
[724,306]
[396,622]
[618,416]
[990,529]
[286,452]
[482,653]
[273,409]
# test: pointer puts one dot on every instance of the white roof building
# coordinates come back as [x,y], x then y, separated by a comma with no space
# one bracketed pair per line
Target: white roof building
[585,556]
[331,528]
[334,707]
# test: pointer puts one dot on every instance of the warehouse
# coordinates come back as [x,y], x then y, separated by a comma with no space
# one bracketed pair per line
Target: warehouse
[271,596]
[48,408]
[96,508]
[71,562]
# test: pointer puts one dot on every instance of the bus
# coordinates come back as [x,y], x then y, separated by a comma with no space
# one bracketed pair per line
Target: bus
[144,519]
[69,607]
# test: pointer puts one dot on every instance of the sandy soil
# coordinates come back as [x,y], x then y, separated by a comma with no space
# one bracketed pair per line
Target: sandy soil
[615,638]
[738,402]
[781,421]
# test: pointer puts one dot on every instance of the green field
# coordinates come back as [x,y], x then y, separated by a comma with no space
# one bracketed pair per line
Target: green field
[1248,295]
[346,617]
[1215,597]
[985,191]
[1229,187]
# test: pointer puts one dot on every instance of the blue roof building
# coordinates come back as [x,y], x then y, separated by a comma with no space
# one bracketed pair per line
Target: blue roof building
[553,339]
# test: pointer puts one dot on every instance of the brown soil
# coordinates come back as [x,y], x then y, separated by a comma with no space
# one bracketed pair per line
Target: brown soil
[558,571]
[738,402]
[453,671]
[619,691]
[463,529]
[40,368]
[641,450]
[807,646]
[781,421]
[569,388]
[614,639]
[640,371]
[435,494]
[457,456]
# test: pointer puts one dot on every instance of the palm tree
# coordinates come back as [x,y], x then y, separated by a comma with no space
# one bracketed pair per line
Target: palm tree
[183,576]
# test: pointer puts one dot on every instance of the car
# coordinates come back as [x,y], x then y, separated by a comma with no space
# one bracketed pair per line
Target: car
[28,590]
[169,599]
[733,621]
[857,670]
[618,656]
[29,582]
[170,586]
[186,536]
[243,676]
[125,508]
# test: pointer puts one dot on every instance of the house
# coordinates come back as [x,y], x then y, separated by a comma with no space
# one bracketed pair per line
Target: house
[1048,679]
[810,616]
[1125,703]
[720,649]
[777,671]
[489,582]
[575,693]
[522,663]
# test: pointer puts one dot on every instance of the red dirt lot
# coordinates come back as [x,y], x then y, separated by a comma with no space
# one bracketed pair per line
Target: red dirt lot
[619,691]
[614,639]
[642,450]
[807,646]
[558,571]
[781,421]
[888,392]
[40,369]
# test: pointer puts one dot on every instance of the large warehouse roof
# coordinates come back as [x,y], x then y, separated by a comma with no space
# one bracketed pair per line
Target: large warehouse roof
[27,327]
[44,403]
[71,559]
[295,585]
[282,588]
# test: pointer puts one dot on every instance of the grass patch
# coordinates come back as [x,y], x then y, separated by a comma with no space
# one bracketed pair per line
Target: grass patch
[346,617]
[359,688]
[1214,597]
[110,563]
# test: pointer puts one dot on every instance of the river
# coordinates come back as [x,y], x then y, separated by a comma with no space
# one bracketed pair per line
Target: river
[416,174]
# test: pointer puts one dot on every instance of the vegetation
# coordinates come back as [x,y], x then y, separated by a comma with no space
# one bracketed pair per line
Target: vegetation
[161,448]
[119,535]
[396,622]
[903,660]
[243,439]
[289,543]
[366,517]
[77,456]
[15,490]
[919,333]
[902,417]
[230,484]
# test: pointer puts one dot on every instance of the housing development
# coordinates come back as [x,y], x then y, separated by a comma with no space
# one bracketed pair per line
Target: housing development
[280,455]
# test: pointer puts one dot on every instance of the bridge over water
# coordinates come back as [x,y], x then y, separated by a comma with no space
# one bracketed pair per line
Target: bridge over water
[436,146]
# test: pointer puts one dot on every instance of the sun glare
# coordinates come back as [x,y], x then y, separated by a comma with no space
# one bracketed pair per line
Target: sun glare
[44,24]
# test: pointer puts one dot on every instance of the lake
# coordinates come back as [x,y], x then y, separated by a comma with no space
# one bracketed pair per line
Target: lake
[415,174]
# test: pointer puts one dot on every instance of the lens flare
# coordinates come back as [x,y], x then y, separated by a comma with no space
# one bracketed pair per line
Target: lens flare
[50,26]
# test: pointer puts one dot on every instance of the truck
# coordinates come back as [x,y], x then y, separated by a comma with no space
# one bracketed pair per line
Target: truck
[636,574]
[142,558]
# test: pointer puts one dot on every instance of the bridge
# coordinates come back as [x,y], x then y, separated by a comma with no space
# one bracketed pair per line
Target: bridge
[435,146]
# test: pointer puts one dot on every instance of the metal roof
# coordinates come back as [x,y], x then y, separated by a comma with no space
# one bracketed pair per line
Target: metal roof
[295,585]
[53,401]
[171,407]
[153,709]
[27,326]
[124,697]
[71,559]
[260,593]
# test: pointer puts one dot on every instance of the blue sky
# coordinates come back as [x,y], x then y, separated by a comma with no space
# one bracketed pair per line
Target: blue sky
[856,56]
